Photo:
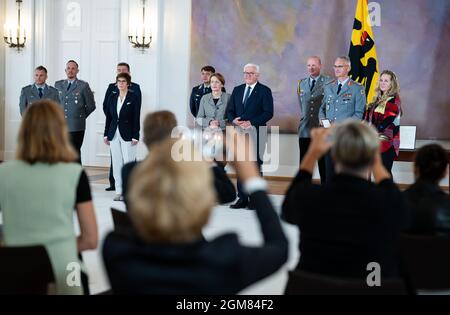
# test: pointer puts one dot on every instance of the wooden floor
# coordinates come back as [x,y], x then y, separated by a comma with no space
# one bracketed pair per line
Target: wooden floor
[99,175]
[277,185]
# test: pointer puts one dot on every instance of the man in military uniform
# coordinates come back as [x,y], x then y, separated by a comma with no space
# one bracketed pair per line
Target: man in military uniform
[37,91]
[310,95]
[343,98]
[134,87]
[78,102]
[200,90]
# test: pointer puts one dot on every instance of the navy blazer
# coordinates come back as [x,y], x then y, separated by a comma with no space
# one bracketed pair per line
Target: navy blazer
[259,107]
[128,120]
[113,87]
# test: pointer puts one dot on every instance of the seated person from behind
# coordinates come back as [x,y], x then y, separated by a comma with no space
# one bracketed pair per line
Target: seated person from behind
[429,206]
[158,126]
[350,221]
[169,203]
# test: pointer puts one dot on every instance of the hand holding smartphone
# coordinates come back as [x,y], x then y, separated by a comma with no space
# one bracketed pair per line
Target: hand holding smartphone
[326,123]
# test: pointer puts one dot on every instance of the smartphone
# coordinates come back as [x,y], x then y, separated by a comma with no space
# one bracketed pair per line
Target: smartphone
[326,123]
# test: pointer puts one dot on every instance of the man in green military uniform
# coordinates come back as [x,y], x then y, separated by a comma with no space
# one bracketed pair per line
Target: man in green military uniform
[37,91]
[310,94]
[343,98]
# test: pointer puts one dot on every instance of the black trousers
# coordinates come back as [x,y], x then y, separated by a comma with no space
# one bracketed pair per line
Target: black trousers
[240,188]
[241,193]
[303,144]
[76,138]
[112,182]
[329,166]
[388,158]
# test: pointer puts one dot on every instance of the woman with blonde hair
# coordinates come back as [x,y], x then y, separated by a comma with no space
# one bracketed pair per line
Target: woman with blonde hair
[170,202]
[384,114]
[40,189]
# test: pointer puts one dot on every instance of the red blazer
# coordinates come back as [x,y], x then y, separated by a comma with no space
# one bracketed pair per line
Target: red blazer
[387,124]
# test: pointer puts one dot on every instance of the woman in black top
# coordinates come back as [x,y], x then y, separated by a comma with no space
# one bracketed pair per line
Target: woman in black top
[350,221]
[169,204]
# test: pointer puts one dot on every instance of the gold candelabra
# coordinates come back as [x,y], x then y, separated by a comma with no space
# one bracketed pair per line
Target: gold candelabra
[140,37]
[20,38]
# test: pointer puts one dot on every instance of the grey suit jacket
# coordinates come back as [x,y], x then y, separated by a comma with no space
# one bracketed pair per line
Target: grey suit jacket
[30,94]
[78,103]
[310,102]
[208,111]
[350,103]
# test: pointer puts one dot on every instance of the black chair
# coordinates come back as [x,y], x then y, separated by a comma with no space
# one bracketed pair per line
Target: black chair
[25,270]
[121,220]
[306,283]
[426,262]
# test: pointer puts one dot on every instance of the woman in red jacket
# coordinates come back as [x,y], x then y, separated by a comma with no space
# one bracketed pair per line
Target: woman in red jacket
[384,114]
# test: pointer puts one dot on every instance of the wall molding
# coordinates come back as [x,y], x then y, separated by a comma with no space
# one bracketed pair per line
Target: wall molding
[2,83]
[44,34]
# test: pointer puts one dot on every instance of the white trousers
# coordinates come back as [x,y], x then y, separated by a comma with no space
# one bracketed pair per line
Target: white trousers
[122,152]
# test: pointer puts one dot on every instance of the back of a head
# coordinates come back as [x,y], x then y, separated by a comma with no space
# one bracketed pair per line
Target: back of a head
[355,145]
[158,126]
[170,201]
[431,163]
[43,135]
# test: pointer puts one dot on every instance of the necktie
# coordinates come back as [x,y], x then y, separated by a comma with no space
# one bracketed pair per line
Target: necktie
[247,95]
[69,86]
[339,88]
[40,92]
[312,85]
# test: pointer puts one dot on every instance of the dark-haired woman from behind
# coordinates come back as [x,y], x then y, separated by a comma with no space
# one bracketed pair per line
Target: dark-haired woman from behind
[429,205]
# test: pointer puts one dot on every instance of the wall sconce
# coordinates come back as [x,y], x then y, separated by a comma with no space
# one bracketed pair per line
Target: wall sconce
[18,31]
[140,35]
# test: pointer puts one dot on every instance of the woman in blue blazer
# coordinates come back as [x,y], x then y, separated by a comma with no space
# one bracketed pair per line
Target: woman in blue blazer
[122,127]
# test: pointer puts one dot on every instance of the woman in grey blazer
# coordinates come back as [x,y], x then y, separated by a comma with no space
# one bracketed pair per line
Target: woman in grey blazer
[213,106]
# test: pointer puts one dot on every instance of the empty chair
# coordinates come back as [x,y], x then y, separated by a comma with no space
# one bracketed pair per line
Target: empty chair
[426,261]
[25,270]
[302,282]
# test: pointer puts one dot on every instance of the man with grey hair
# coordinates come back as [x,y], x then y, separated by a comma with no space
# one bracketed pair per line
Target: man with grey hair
[352,221]
[249,107]
[343,98]
[310,95]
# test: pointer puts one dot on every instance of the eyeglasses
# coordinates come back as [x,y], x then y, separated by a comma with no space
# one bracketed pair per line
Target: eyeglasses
[249,73]
[340,66]
[122,81]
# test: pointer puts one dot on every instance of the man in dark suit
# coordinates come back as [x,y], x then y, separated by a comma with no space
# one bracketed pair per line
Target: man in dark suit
[250,107]
[136,89]
[199,90]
